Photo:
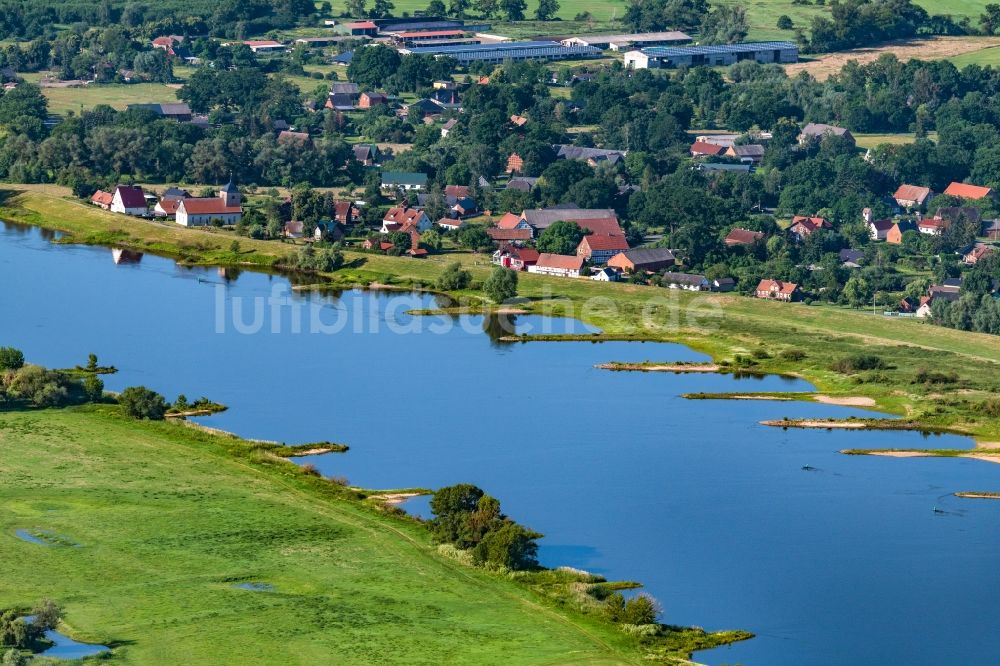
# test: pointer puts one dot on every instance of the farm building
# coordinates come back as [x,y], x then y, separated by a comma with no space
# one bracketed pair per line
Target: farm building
[658,57]
[466,53]
[616,42]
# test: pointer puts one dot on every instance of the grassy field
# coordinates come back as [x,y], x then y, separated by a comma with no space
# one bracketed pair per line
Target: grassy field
[983,57]
[63,100]
[872,140]
[151,526]
[743,331]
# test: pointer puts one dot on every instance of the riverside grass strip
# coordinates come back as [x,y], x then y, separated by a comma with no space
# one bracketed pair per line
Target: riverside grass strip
[163,521]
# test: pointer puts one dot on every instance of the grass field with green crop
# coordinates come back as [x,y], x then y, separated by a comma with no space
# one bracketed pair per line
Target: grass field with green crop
[984,58]
[63,100]
[152,526]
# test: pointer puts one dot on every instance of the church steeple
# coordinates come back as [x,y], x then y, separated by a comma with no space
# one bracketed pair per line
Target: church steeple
[230,194]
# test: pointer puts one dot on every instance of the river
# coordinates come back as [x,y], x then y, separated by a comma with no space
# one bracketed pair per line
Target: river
[847,562]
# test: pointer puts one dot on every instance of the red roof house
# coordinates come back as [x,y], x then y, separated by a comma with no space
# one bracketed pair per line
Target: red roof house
[743,237]
[777,290]
[598,248]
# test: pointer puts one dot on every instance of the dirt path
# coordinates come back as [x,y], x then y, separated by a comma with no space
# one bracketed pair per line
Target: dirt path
[931,48]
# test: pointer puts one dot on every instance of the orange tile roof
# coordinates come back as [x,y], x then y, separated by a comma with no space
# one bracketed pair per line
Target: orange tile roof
[604,242]
[966,191]
[209,206]
[102,198]
[546,260]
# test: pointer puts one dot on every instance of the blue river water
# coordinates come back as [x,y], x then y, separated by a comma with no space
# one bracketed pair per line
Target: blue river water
[844,563]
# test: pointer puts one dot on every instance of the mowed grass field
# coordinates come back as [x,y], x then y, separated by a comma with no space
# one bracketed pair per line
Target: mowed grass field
[119,96]
[156,524]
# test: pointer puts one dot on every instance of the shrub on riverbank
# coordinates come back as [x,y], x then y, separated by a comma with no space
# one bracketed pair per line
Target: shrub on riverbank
[469,519]
[454,278]
[139,402]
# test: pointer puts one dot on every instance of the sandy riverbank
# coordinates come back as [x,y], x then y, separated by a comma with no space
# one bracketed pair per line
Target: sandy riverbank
[838,425]
[856,401]
[664,367]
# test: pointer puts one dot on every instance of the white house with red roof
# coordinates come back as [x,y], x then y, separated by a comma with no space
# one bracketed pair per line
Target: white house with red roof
[197,212]
[401,216]
[129,200]
[560,265]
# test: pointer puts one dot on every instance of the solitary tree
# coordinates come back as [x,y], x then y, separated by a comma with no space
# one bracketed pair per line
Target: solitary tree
[501,285]
[546,10]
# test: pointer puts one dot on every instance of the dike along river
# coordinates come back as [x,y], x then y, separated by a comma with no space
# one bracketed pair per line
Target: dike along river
[844,563]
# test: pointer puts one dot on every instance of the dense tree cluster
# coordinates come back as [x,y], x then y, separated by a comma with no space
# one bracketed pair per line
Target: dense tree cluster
[28,19]
[469,519]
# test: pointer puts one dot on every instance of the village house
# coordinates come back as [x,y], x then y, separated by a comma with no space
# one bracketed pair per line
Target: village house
[167,207]
[518,235]
[226,208]
[328,230]
[518,121]
[170,111]
[971,192]
[598,248]
[522,184]
[366,153]
[725,284]
[289,138]
[448,126]
[912,197]
[879,229]
[368,100]
[392,180]
[464,207]
[377,244]
[748,154]
[606,274]
[345,213]
[103,199]
[743,237]
[559,265]
[815,131]
[515,163]
[450,224]
[851,258]
[642,260]
[418,109]
[397,218]
[686,281]
[597,220]
[172,45]
[515,257]
[933,226]
[129,200]
[803,226]
[705,149]
[592,156]
[979,251]
[895,234]
[777,290]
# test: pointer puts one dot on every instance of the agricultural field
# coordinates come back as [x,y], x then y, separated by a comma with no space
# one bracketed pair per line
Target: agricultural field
[145,557]
[931,48]
[987,57]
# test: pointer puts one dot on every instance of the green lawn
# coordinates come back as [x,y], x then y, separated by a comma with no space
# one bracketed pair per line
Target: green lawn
[157,522]
[983,58]
[872,140]
[63,100]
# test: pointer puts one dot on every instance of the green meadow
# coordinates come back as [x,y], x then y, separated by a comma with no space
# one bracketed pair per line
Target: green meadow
[151,527]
